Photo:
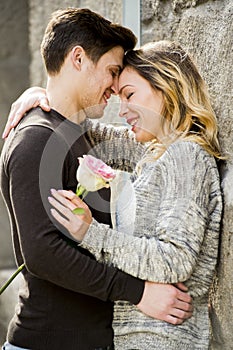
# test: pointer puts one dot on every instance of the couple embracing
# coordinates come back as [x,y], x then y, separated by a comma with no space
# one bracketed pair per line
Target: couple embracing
[154,273]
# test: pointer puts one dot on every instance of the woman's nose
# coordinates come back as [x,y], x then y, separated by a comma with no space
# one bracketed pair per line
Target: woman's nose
[123,109]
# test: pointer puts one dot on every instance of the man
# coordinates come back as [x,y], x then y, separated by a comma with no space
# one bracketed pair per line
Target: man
[66,301]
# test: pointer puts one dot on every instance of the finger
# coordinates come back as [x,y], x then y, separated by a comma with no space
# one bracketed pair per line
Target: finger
[68,208]
[181,286]
[60,218]
[67,194]
[181,314]
[23,105]
[185,297]
[65,209]
[66,202]
[7,129]
[44,104]
[13,120]
[72,197]
[12,112]
[17,117]
[173,320]
[8,125]
[183,306]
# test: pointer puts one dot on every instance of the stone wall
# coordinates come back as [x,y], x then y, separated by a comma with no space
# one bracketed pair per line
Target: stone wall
[14,77]
[206,29]
[202,26]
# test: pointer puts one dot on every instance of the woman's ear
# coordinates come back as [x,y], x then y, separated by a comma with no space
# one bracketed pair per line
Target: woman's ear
[77,55]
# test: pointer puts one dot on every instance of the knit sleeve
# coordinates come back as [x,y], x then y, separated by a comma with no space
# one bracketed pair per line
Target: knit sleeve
[116,146]
[169,254]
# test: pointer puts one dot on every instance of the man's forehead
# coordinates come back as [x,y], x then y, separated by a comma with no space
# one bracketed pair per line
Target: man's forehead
[113,57]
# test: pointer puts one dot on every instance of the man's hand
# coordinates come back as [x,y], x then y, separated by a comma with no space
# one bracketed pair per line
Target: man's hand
[166,302]
[32,97]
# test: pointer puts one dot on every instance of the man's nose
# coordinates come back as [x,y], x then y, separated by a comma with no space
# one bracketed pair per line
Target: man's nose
[115,86]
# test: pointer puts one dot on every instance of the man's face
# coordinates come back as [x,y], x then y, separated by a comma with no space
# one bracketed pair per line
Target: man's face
[100,80]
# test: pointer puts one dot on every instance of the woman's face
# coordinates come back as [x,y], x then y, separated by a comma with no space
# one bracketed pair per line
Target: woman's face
[141,105]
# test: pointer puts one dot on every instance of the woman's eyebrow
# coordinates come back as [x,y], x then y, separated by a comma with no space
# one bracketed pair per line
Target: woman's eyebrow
[123,87]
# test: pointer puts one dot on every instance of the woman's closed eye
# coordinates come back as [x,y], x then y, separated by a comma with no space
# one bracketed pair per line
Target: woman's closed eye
[129,95]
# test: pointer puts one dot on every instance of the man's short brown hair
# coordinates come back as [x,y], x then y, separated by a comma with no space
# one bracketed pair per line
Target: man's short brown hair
[74,26]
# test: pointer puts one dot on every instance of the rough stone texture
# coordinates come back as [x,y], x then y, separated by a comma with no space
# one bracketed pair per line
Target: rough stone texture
[40,12]
[14,73]
[111,9]
[14,53]
[204,27]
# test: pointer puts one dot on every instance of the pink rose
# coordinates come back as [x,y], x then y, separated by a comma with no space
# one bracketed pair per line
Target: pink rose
[93,174]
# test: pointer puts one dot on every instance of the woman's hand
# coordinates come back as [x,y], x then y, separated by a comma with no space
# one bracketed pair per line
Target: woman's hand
[31,97]
[64,203]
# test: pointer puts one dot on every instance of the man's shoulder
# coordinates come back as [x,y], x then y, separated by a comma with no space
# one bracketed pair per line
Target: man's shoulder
[37,117]
[32,134]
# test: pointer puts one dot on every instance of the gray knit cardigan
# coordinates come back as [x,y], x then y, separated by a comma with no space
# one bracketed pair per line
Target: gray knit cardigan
[175,235]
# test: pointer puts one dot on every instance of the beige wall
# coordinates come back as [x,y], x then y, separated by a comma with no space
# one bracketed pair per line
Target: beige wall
[202,26]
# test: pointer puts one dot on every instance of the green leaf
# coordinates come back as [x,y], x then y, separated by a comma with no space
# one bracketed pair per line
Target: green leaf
[78,211]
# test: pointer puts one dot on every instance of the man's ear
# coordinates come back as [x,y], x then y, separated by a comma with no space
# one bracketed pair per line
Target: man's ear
[77,55]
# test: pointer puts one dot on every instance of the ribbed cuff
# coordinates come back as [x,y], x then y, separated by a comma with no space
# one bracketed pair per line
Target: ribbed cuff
[93,238]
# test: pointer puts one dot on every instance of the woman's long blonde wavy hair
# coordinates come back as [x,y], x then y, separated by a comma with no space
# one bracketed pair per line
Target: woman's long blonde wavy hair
[187,108]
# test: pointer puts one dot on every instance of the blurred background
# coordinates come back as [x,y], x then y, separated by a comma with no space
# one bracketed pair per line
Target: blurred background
[204,27]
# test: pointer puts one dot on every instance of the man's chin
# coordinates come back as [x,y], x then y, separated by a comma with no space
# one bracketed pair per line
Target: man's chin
[96,112]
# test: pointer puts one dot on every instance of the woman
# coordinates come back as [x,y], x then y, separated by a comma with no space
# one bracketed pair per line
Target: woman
[174,233]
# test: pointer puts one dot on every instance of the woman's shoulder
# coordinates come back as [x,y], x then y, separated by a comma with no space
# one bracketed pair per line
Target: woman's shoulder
[186,157]
[188,151]
[182,146]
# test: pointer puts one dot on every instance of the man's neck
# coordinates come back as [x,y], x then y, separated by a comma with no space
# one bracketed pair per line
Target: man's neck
[60,99]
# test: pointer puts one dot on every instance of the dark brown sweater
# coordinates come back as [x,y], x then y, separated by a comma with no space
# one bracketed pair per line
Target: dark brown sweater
[66,299]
